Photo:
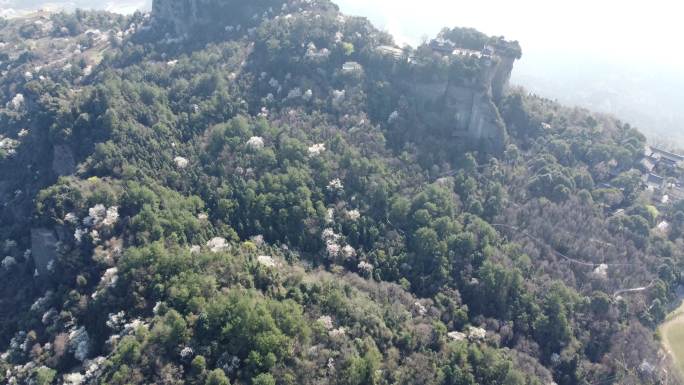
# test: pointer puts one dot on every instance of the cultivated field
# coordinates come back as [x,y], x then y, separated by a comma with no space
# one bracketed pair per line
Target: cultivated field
[672,332]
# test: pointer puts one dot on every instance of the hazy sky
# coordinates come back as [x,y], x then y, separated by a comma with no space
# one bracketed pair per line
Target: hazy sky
[624,57]
[634,32]
[647,32]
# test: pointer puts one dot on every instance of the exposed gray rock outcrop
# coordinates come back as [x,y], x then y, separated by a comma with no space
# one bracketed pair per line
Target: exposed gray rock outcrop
[467,103]
[63,162]
[476,119]
[501,76]
[43,248]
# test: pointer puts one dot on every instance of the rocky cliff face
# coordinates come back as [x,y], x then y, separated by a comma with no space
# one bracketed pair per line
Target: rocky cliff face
[63,162]
[468,105]
[476,119]
[43,249]
[502,76]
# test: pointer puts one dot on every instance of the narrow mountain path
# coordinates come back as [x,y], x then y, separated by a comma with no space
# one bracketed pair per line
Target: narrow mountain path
[577,261]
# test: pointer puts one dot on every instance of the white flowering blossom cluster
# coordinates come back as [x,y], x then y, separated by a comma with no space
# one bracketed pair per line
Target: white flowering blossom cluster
[326,321]
[328,234]
[73,379]
[111,217]
[181,162]
[218,244]
[456,336]
[601,271]
[17,102]
[9,145]
[294,93]
[79,343]
[132,326]
[157,308]
[393,117]
[71,218]
[115,321]
[79,233]
[420,309]
[476,334]
[41,304]
[335,185]
[333,247]
[123,329]
[108,280]
[308,95]
[19,342]
[96,215]
[349,252]
[353,215]
[8,262]
[266,260]
[93,367]
[99,215]
[258,240]
[331,240]
[338,97]
[186,353]
[23,133]
[49,317]
[336,333]
[330,216]
[316,149]
[255,143]
[365,267]
[313,53]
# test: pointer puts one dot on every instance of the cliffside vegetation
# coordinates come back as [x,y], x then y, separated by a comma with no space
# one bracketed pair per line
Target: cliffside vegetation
[273,206]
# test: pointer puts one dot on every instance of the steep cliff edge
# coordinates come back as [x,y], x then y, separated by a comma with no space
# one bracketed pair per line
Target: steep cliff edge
[460,87]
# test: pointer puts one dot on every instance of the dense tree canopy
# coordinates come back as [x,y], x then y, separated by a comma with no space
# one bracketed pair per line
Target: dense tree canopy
[255,208]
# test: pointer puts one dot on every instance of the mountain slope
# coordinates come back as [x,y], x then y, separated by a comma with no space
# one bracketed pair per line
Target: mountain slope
[271,192]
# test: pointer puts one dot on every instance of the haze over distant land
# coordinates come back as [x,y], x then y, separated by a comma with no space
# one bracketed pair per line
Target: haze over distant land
[611,56]
[9,8]
[619,57]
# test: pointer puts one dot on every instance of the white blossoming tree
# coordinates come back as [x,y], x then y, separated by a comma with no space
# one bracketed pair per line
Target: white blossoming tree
[255,143]
[181,162]
[316,149]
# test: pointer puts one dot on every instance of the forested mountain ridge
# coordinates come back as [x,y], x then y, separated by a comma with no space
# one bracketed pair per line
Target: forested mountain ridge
[272,192]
